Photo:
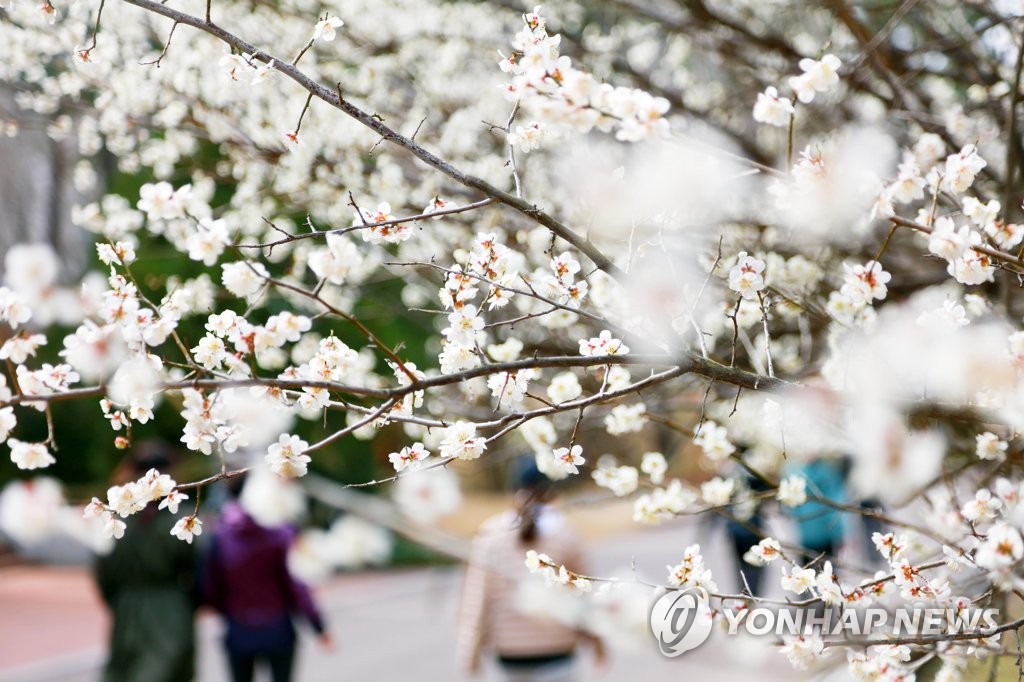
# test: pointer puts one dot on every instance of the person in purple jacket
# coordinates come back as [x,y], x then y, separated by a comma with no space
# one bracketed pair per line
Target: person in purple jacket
[246,578]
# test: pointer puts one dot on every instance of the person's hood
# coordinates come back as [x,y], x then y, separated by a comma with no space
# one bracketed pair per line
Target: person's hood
[236,518]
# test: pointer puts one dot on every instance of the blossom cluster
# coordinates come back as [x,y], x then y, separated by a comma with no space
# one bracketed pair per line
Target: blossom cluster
[772,273]
[690,571]
[555,573]
[131,498]
[564,99]
[818,75]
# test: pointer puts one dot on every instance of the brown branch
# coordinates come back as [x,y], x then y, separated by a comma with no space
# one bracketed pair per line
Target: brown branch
[335,99]
[1013,144]
[530,294]
[423,384]
[223,475]
[95,29]
[294,136]
[980,248]
[344,230]
[163,52]
[351,319]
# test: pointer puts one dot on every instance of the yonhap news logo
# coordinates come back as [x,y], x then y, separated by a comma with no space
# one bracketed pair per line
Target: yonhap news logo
[681,620]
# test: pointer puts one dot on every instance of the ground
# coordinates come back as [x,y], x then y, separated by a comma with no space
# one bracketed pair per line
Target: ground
[388,625]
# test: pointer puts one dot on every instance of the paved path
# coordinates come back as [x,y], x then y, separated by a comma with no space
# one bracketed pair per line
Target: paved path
[395,625]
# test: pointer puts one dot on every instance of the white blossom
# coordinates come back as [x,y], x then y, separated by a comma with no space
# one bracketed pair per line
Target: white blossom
[7,422]
[603,344]
[792,491]
[1001,548]
[818,76]
[747,276]
[691,572]
[286,457]
[717,491]
[208,241]
[534,560]
[990,446]
[461,442]
[187,528]
[802,650]
[171,502]
[961,169]
[973,266]
[244,278]
[654,465]
[326,28]
[30,455]
[621,480]
[425,496]
[113,527]
[564,387]
[799,580]
[127,499]
[30,268]
[14,309]
[984,507]
[764,552]
[569,459]
[946,241]
[865,283]
[889,545]
[21,347]
[714,440]
[408,456]
[772,109]
[626,419]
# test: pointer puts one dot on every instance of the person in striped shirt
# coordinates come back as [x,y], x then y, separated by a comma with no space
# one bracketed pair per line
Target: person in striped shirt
[528,647]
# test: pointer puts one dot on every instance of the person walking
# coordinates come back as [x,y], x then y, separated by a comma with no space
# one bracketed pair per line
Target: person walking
[246,578]
[744,521]
[820,525]
[147,582]
[528,648]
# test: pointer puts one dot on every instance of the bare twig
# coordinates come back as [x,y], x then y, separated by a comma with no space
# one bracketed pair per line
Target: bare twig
[319,234]
[163,52]
[335,99]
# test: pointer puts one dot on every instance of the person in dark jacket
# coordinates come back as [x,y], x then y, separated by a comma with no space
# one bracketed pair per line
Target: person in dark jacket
[246,579]
[744,534]
[147,582]
[745,522]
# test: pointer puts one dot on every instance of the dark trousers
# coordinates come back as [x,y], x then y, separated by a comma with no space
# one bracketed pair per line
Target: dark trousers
[741,542]
[243,666]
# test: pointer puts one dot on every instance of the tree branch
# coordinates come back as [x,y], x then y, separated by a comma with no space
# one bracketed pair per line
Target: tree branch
[374,123]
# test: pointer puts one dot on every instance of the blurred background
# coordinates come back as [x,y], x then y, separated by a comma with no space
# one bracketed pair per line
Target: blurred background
[397,619]
[386,562]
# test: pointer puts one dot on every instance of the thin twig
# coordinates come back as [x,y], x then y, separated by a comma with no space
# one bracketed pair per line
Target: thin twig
[319,234]
[336,99]
[512,151]
[163,52]
[95,31]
